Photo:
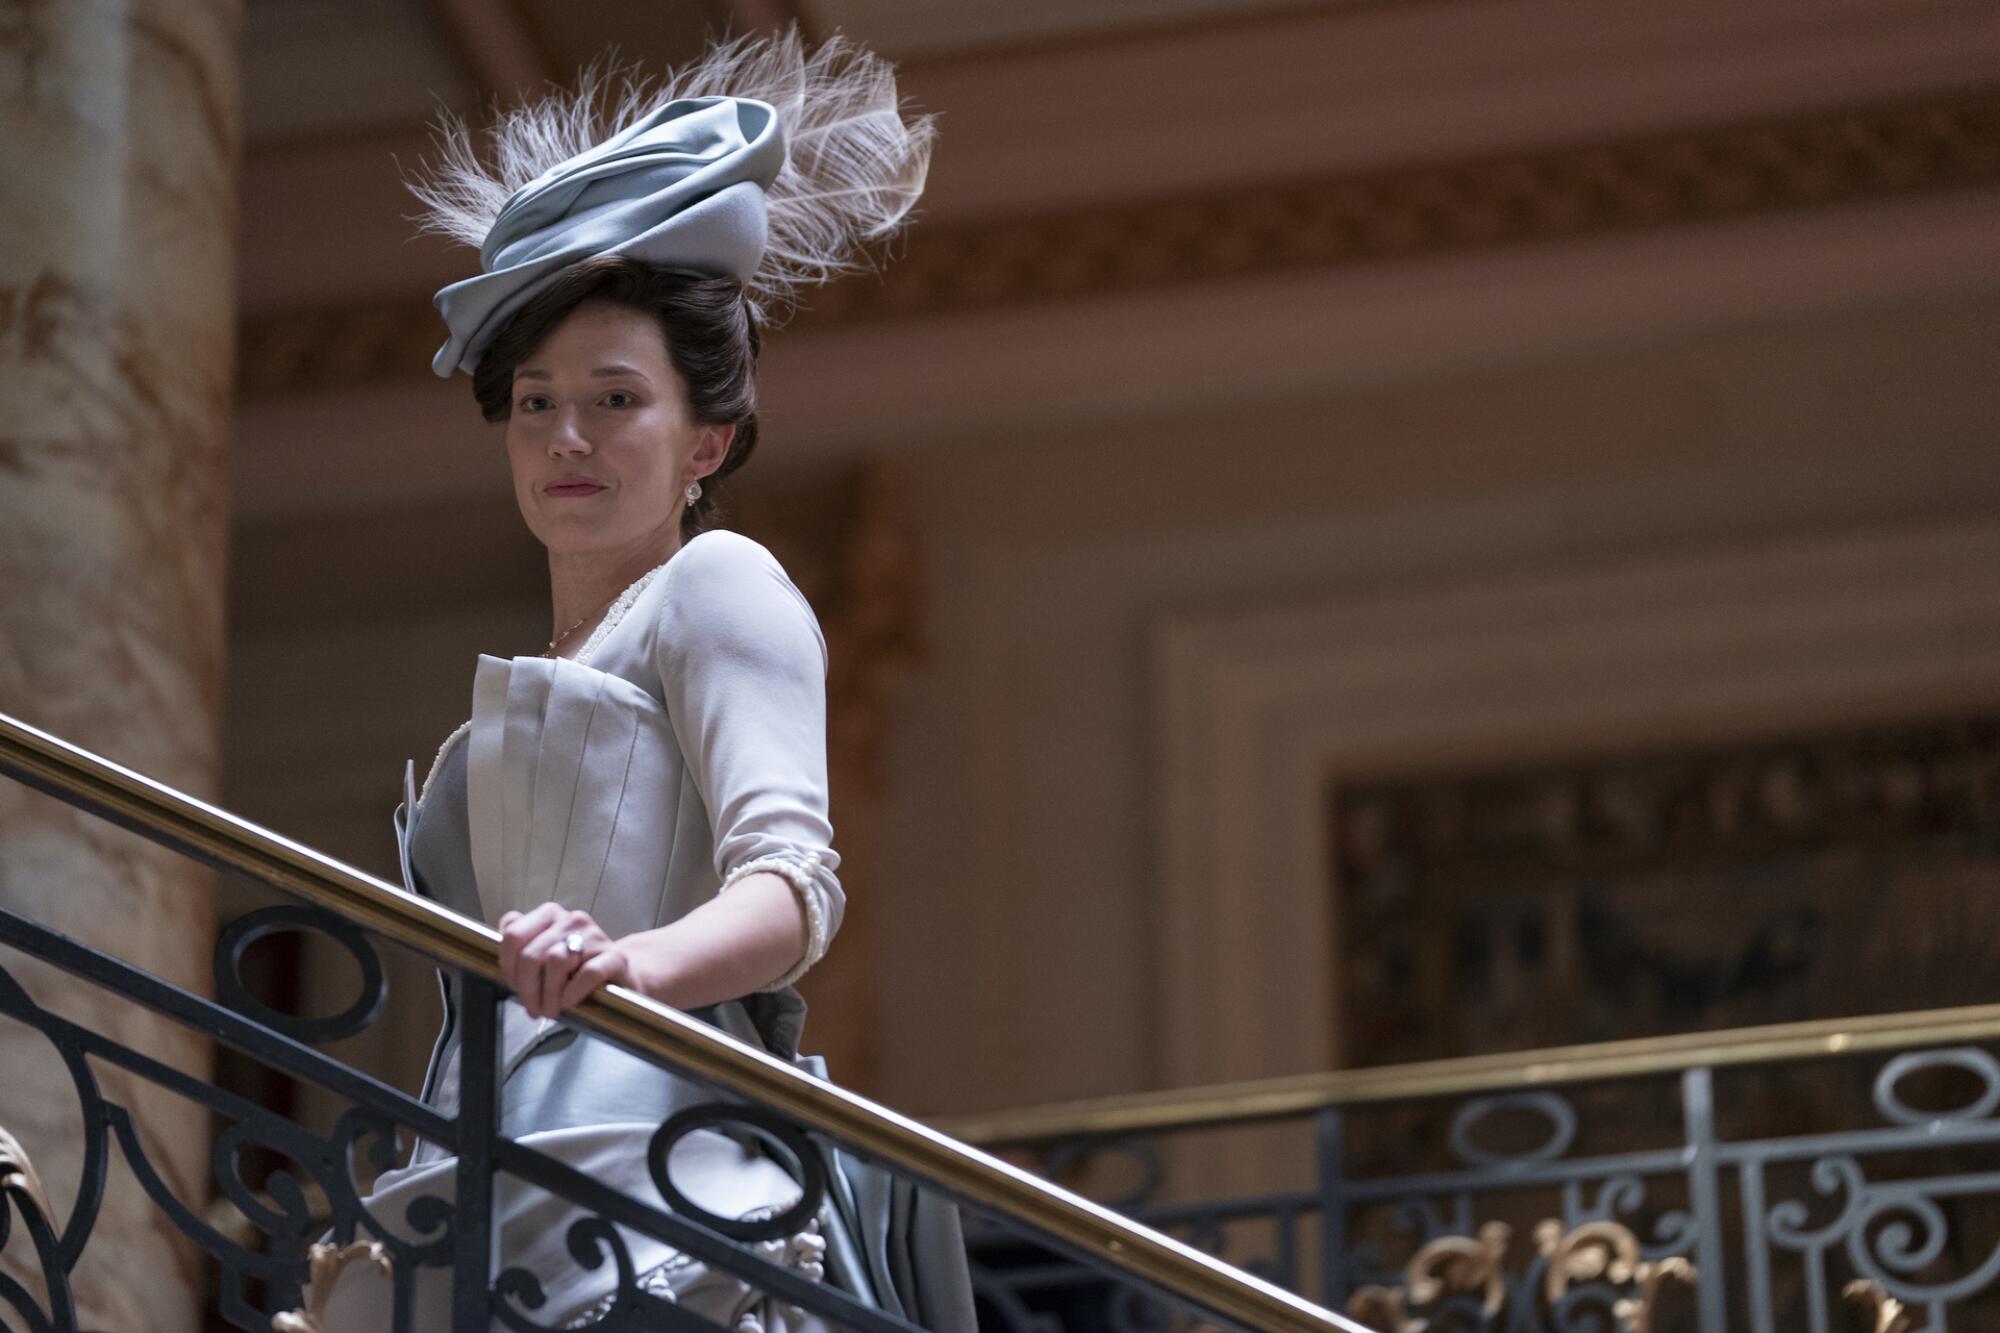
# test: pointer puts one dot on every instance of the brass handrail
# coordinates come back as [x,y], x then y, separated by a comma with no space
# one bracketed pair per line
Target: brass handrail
[215,836]
[1638,1057]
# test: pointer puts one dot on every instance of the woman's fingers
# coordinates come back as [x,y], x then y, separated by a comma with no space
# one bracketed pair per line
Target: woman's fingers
[605,968]
[517,931]
[547,967]
[544,962]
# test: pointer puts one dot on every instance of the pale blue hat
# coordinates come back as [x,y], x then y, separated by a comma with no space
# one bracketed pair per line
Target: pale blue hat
[761,161]
[682,187]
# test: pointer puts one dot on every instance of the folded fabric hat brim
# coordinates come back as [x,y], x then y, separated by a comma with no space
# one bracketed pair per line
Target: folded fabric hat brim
[722,236]
[683,188]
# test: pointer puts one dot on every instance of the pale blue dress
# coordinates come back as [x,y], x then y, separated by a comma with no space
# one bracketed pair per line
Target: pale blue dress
[684,748]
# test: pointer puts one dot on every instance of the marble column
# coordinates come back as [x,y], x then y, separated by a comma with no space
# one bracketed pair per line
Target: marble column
[118,174]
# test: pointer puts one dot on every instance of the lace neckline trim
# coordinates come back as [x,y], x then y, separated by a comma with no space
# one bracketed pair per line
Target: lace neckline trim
[617,613]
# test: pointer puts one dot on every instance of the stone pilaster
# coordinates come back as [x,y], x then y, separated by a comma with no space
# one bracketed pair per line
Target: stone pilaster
[118,174]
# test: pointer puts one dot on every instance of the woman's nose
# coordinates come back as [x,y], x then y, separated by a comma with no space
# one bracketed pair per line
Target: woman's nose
[566,438]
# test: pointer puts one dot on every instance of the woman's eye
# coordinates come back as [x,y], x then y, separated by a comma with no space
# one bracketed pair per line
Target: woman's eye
[618,398]
[533,402]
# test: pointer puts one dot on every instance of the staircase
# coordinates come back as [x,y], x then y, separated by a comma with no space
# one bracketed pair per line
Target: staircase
[279,1241]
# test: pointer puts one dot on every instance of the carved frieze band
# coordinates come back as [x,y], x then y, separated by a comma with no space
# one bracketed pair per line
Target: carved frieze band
[1943,141]
[1879,786]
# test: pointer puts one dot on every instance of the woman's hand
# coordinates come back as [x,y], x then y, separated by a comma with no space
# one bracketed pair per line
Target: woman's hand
[727,947]
[545,974]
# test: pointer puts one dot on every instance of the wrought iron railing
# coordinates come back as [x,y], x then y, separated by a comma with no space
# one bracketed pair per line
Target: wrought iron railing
[1802,1178]
[302,1223]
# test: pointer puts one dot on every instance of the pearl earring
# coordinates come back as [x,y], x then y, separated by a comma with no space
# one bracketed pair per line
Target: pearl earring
[693,492]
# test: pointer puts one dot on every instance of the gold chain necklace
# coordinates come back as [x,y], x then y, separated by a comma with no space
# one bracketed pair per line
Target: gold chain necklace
[550,651]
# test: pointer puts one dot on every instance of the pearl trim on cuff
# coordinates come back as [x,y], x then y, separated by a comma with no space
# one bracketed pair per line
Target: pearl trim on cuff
[807,888]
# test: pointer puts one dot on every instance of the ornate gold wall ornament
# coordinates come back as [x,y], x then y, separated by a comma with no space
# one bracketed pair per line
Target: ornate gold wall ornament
[1607,1252]
[1890,1314]
[1704,173]
[324,1265]
[17,1171]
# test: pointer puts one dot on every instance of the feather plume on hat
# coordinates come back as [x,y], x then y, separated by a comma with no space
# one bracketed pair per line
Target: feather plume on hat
[854,159]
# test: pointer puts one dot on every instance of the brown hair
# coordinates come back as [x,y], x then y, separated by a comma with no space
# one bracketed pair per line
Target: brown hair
[712,343]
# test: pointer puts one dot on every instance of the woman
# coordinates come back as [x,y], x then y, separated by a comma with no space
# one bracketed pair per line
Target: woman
[645,802]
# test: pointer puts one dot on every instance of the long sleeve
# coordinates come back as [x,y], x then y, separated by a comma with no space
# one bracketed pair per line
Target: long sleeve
[743,667]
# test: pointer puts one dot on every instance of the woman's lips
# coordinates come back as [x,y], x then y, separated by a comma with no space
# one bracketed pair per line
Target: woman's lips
[574,488]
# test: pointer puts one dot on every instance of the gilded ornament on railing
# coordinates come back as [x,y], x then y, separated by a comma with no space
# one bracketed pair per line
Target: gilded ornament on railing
[1385,1309]
[1463,1264]
[17,1172]
[1594,1252]
[1890,1314]
[1448,1266]
[325,1263]
[1607,1252]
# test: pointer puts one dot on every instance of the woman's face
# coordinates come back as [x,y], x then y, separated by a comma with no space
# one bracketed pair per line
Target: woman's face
[601,439]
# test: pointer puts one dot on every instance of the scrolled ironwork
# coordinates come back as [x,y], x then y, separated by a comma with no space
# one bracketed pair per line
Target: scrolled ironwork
[1970,1059]
[590,1240]
[1757,1231]
[1069,1157]
[1889,1231]
[274,1250]
[1465,1125]
[805,1163]
[235,940]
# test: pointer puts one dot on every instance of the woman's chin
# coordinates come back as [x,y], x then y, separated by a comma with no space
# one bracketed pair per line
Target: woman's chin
[575,540]
[572,533]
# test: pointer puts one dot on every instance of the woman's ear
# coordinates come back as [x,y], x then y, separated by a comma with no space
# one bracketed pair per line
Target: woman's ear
[714,447]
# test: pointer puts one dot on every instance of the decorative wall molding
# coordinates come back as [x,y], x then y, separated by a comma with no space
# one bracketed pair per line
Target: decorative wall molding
[1259,710]
[1667,888]
[1943,141]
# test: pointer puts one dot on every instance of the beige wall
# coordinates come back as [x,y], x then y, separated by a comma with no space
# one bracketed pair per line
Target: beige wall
[1098,468]
[1025,850]
[1021,957]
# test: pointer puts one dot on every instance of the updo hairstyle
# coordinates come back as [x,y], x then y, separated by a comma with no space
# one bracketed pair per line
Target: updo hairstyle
[712,343]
